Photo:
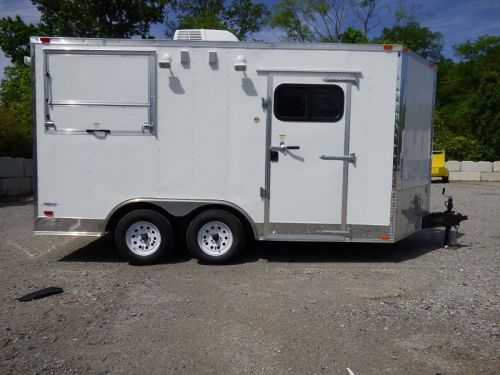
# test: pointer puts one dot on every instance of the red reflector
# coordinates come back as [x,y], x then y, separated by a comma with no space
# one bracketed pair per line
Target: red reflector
[45,40]
[48,213]
[388,47]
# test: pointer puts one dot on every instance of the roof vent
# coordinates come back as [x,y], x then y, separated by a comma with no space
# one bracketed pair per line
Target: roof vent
[204,34]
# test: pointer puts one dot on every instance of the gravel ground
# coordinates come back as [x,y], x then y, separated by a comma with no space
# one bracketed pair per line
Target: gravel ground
[409,308]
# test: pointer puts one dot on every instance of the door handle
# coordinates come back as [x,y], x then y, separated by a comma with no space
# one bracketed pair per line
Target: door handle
[283,147]
[91,131]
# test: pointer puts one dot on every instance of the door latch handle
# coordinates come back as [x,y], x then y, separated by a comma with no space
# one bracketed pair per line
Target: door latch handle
[93,131]
[350,158]
[283,148]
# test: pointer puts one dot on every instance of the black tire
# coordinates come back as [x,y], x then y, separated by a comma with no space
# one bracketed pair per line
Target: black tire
[233,249]
[166,239]
[446,179]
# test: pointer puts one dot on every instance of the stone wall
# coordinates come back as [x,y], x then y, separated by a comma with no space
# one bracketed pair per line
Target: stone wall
[473,170]
[16,177]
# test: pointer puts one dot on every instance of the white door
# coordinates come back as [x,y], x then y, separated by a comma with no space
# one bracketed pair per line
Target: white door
[306,145]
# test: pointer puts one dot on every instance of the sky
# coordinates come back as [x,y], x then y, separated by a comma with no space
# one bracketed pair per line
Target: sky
[457,20]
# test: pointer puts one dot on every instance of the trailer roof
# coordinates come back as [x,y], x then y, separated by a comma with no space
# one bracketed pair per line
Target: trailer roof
[387,48]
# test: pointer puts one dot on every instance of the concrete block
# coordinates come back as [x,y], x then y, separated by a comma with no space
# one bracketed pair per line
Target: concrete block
[490,176]
[496,166]
[28,167]
[465,176]
[11,187]
[453,166]
[476,166]
[11,167]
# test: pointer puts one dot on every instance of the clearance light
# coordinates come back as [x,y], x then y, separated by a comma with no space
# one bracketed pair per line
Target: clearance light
[45,40]
[388,47]
[48,213]
[385,237]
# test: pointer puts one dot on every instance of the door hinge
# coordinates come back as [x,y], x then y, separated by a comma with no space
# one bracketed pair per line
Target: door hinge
[264,193]
[265,103]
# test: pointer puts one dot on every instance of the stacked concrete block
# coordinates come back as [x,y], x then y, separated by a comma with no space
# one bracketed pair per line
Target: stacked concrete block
[16,175]
[476,166]
[473,170]
[465,176]
[453,166]
[490,176]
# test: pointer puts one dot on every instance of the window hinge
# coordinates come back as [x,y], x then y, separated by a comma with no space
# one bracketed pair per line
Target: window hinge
[147,128]
[264,193]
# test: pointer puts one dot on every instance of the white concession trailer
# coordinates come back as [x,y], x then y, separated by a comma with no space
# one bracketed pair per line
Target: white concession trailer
[212,139]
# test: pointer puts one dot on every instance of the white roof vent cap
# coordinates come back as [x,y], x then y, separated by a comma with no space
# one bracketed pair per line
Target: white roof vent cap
[205,34]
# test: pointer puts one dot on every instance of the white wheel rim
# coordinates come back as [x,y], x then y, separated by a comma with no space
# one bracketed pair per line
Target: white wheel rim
[143,238]
[215,238]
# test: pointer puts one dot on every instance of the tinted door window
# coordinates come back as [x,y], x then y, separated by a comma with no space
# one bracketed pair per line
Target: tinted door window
[309,103]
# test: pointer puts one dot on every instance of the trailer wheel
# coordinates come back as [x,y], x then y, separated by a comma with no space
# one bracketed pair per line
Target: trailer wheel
[215,237]
[144,237]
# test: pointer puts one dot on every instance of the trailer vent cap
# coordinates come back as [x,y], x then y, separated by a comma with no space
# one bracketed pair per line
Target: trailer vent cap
[205,34]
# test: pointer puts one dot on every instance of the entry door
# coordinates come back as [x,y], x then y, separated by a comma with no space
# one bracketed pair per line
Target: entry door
[306,145]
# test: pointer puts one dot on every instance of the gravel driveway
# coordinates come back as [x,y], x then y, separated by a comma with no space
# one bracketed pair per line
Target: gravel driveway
[409,308]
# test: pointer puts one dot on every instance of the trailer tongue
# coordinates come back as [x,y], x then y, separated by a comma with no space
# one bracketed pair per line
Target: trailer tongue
[446,219]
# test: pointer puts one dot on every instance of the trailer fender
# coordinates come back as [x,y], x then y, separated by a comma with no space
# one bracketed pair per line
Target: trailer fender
[176,208]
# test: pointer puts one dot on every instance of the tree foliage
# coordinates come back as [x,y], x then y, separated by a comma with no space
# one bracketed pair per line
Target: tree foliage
[100,18]
[242,17]
[14,37]
[15,92]
[15,112]
[420,39]
[325,20]
[468,99]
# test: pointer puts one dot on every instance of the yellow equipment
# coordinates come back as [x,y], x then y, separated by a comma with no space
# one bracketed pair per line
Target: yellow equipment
[438,166]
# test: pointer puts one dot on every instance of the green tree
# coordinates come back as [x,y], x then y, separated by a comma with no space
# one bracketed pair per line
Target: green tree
[468,97]
[324,20]
[352,35]
[310,20]
[420,39]
[15,112]
[100,18]
[242,17]
[15,92]
[14,37]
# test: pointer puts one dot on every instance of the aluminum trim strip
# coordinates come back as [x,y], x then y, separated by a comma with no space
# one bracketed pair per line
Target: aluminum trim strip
[358,231]
[67,131]
[96,104]
[34,112]
[352,74]
[55,233]
[267,182]
[69,225]
[345,171]
[67,42]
